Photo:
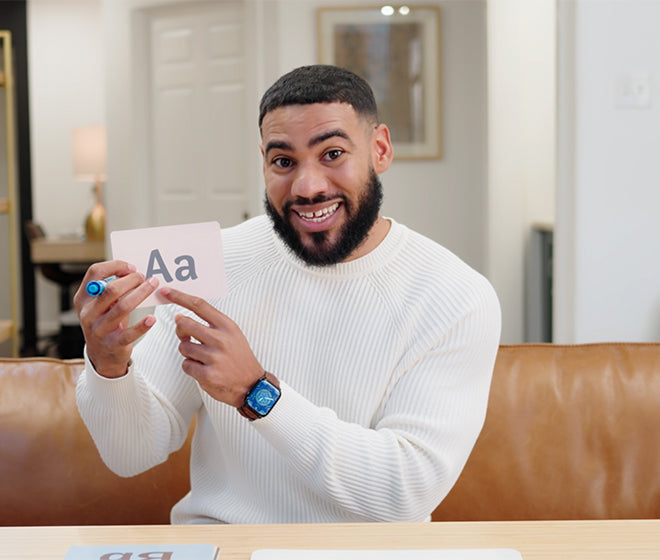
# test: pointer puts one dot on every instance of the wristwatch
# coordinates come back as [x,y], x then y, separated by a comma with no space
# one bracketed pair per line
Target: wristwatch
[261,398]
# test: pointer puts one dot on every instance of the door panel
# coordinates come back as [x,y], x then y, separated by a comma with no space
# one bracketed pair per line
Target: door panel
[197,104]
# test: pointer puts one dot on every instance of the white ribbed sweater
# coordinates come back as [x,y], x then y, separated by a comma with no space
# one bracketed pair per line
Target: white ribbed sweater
[385,364]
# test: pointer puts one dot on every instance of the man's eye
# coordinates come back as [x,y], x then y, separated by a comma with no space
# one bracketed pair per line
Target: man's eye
[331,155]
[282,162]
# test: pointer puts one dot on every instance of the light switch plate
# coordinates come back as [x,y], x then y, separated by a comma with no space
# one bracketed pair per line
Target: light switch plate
[634,90]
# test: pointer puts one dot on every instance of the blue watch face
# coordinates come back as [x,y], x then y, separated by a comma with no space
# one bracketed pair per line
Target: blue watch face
[263,397]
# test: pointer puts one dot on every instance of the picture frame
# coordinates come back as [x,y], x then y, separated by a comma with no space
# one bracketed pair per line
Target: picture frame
[397,49]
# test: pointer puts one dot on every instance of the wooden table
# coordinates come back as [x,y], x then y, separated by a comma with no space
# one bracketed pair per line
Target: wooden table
[536,540]
[66,251]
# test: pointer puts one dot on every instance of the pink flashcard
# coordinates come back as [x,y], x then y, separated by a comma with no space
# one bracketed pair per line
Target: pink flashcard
[186,257]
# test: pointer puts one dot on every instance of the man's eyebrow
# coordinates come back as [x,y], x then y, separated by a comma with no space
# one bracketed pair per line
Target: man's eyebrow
[278,145]
[327,135]
[282,145]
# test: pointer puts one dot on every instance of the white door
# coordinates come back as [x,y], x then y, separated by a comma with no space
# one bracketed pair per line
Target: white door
[197,129]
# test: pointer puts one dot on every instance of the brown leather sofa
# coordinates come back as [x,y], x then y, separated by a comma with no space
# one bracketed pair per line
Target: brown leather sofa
[572,432]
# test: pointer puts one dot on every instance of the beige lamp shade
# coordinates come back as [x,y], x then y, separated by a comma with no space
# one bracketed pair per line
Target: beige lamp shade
[89,164]
[89,153]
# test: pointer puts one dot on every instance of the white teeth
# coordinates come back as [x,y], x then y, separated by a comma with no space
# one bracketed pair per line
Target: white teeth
[319,215]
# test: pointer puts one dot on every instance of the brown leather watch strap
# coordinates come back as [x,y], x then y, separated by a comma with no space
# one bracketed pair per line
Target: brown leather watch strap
[247,413]
[245,410]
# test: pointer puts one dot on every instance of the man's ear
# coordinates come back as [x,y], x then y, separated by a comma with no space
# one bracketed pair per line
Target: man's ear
[382,151]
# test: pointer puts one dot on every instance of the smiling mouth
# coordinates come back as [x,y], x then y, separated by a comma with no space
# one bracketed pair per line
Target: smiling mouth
[319,215]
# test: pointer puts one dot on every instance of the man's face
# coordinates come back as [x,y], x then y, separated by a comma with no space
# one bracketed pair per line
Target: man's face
[322,191]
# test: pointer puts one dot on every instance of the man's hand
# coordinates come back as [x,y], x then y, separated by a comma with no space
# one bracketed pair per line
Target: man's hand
[219,357]
[105,318]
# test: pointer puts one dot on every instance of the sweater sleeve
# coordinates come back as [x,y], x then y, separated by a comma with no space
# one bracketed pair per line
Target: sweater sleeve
[136,425]
[402,466]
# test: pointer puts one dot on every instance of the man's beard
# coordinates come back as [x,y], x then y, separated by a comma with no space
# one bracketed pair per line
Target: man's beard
[359,222]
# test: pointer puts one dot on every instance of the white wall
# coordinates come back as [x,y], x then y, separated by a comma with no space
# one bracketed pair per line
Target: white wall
[608,229]
[521,146]
[66,91]
[445,199]
[607,232]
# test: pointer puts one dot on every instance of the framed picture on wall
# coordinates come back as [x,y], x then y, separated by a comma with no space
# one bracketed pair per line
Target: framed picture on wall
[397,50]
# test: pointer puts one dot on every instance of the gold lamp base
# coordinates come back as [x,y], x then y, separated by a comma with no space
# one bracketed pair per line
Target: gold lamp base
[95,222]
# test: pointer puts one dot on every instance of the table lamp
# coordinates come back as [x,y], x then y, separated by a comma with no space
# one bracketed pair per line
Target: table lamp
[89,163]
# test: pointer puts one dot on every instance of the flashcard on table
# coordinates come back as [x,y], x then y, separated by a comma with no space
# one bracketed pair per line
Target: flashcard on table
[190,551]
[186,257]
[422,554]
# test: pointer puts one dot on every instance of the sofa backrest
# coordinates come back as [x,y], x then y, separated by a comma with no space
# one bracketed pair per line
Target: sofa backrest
[571,432]
[50,470]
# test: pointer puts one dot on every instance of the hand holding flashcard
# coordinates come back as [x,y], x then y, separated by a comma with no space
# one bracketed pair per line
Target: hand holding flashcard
[186,257]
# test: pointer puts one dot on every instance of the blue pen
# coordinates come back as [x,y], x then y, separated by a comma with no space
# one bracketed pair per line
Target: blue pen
[96,287]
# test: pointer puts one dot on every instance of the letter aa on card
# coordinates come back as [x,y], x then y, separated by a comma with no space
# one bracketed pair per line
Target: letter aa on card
[186,257]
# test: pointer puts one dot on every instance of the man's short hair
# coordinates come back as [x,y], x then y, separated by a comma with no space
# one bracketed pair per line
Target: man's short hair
[320,83]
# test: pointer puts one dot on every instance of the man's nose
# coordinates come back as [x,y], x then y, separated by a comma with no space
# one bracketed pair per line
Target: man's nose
[309,182]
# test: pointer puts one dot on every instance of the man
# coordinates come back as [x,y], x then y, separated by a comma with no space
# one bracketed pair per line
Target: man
[378,343]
